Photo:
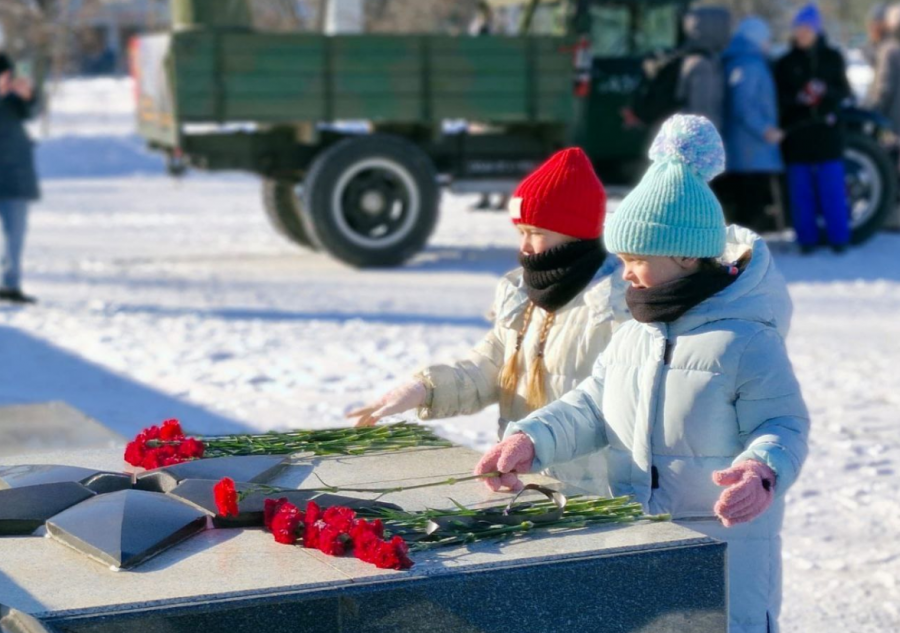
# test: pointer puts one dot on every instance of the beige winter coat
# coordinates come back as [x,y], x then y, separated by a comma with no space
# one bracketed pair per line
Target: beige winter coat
[884,92]
[582,329]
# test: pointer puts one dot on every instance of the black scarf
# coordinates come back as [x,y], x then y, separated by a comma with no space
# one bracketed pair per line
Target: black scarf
[556,276]
[669,301]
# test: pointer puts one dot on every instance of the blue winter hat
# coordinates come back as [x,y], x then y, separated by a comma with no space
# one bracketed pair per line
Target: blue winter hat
[754,29]
[673,212]
[808,16]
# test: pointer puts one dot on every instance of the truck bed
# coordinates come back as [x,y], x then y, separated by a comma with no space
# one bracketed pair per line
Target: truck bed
[225,77]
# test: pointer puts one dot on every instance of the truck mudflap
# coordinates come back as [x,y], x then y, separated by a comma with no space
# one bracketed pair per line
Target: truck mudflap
[154,94]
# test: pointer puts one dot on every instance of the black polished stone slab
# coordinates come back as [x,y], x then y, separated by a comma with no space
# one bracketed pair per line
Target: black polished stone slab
[125,528]
[249,468]
[34,474]
[15,621]
[676,590]
[24,509]
[104,483]
[199,493]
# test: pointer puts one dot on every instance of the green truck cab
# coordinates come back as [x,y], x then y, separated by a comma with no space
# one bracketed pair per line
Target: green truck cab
[355,135]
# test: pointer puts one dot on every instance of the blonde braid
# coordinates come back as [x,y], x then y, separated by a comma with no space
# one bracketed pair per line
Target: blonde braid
[509,375]
[537,392]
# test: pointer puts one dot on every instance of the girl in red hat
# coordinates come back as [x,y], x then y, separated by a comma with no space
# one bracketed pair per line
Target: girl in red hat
[552,316]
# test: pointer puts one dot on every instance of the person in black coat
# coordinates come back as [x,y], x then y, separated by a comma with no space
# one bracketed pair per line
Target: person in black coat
[18,180]
[812,84]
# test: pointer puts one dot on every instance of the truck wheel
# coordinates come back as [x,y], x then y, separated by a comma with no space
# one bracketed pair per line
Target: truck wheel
[284,208]
[371,201]
[871,179]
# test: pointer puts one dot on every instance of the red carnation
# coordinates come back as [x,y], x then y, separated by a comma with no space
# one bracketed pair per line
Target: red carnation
[393,554]
[285,524]
[226,497]
[385,557]
[191,448]
[170,455]
[270,509]
[311,533]
[313,512]
[340,518]
[167,455]
[150,433]
[332,541]
[365,545]
[362,528]
[134,453]
[171,431]
[151,459]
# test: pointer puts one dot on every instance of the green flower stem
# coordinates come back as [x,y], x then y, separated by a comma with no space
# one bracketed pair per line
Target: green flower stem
[322,442]
[270,490]
[579,512]
[452,481]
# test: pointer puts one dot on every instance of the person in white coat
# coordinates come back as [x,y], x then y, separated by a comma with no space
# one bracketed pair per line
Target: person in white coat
[695,399]
[551,317]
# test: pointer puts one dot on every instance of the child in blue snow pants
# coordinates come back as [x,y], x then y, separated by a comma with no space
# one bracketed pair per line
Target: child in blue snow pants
[819,189]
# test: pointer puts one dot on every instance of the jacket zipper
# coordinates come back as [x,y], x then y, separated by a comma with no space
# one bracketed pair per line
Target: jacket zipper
[657,386]
[667,360]
[667,353]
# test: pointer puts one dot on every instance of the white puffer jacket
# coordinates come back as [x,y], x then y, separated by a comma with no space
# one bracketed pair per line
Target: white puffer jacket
[671,403]
[581,330]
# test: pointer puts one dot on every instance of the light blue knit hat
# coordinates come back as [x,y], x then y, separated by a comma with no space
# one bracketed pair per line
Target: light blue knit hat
[673,212]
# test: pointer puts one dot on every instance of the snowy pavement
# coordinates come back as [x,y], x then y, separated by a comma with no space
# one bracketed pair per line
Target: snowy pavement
[162,298]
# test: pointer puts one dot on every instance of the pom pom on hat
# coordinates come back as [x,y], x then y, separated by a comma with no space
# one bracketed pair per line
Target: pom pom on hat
[693,141]
[673,212]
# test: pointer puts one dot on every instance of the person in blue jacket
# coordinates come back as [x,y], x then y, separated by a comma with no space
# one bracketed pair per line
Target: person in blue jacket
[751,133]
[694,402]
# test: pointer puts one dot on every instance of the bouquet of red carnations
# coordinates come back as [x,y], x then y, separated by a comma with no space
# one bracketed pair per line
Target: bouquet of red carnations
[167,444]
[333,531]
[338,530]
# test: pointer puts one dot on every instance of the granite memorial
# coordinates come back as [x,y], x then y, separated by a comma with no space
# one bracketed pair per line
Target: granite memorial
[187,575]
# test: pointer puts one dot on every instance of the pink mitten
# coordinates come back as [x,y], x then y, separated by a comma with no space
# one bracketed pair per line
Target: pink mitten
[751,487]
[513,455]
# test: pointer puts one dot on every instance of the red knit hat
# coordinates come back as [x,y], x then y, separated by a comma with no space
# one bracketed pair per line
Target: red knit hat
[562,195]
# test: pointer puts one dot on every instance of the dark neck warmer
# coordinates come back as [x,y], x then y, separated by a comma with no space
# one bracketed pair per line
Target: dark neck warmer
[669,301]
[556,276]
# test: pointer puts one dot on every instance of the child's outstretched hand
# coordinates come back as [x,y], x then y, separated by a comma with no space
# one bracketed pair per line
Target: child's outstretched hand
[405,397]
[511,456]
[751,487]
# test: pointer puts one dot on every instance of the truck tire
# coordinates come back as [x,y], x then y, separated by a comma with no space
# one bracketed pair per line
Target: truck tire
[371,201]
[871,178]
[284,208]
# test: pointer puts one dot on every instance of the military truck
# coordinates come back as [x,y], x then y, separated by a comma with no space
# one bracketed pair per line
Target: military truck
[354,136]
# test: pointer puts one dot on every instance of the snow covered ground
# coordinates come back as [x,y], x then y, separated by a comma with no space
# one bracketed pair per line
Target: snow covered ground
[162,298]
